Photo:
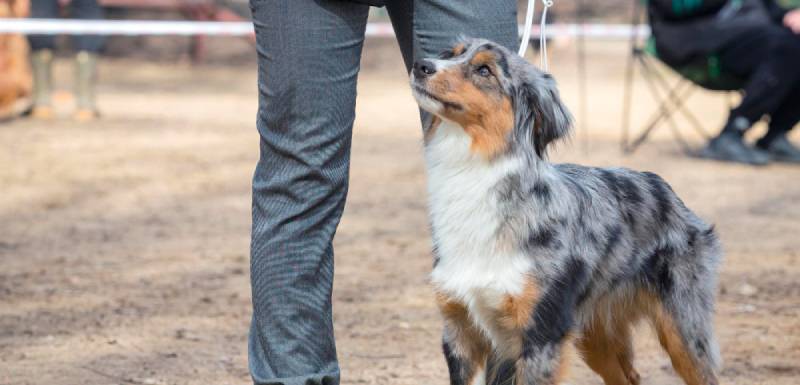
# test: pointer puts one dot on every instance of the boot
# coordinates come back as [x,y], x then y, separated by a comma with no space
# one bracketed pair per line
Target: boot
[42,68]
[85,78]
[780,149]
[730,147]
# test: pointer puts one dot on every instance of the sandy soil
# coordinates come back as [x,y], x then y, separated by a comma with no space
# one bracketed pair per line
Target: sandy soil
[124,242]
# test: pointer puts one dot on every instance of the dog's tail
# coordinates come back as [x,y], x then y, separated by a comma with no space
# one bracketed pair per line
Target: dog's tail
[684,319]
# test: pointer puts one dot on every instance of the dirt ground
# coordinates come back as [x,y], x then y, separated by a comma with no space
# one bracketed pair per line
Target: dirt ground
[124,242]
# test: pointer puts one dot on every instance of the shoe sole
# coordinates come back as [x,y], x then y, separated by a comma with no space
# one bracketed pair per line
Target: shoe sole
[704,154]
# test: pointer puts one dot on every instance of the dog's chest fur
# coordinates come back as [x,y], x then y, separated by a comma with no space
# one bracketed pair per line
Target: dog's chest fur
[474,266]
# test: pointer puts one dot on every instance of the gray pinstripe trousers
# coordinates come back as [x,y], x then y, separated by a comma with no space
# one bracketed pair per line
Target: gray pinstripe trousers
[308,56]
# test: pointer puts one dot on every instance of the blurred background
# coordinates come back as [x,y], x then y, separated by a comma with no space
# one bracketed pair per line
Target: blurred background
[124,231]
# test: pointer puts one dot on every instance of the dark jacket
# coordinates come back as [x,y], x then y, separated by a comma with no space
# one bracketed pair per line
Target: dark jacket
[684,33]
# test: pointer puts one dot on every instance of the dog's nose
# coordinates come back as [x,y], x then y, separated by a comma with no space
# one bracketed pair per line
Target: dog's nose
[423,69]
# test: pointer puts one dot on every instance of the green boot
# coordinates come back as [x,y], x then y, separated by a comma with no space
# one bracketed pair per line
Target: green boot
[85,78]
[42,66]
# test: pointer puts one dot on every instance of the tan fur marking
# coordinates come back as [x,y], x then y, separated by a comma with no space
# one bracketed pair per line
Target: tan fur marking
[487,119]
[609,355]
[515,311]
[468,341]
[673,343]
[681,359]
[483,57]
[489,134]
[458,49]
[450,308]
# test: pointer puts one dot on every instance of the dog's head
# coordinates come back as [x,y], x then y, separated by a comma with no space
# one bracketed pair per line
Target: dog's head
[498,98]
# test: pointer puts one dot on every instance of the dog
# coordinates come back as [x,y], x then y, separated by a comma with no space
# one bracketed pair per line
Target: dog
[16,80]
[530,257]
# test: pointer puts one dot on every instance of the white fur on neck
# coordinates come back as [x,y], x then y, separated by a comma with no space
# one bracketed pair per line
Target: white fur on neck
[473,266]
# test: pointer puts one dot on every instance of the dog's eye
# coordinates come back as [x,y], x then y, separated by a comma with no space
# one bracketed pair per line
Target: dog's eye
[484,71]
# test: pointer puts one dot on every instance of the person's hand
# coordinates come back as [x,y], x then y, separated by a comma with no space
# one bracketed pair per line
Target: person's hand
[792,20]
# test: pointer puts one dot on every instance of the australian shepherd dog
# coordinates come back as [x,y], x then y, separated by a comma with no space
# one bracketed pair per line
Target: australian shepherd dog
[532,257]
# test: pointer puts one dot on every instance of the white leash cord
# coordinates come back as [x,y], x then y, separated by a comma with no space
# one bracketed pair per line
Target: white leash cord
[543,35]
[526,32]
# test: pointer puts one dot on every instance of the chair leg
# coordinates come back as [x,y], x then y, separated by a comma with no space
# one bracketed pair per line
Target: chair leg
[635,53]
[626,105]
[663,109]
[667,107]
[676,132]
[698,127]
[662,114]
[678,102]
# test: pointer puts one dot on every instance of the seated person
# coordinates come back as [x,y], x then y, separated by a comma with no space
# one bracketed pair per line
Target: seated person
[756,40]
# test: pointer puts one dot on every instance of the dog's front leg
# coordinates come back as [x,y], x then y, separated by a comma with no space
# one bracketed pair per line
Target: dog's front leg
[542,360]
[465,348]
[542,365]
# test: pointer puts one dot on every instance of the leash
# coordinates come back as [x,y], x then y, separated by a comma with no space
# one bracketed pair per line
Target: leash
[526,32]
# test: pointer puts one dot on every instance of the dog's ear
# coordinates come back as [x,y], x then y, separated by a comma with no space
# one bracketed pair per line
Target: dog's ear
[540,114]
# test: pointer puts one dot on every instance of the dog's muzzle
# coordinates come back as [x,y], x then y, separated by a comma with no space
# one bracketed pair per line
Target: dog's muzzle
[423,68]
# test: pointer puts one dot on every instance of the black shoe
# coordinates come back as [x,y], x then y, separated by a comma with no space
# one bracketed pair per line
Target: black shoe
[730,147]
[780,149]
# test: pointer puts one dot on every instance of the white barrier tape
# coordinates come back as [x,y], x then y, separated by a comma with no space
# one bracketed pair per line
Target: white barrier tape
[380,30]
[123,27]
[597,31]
[227,28]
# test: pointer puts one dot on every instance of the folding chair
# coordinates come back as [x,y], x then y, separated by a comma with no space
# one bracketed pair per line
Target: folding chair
[704,72]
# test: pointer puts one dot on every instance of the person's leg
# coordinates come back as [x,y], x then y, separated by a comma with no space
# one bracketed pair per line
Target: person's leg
[42,60]
[308,60]
[43,9]
[760,56]
[86,59]
[781,122]
[769,59]
[425,28]
[787,114]
[87,10]
[786,117]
